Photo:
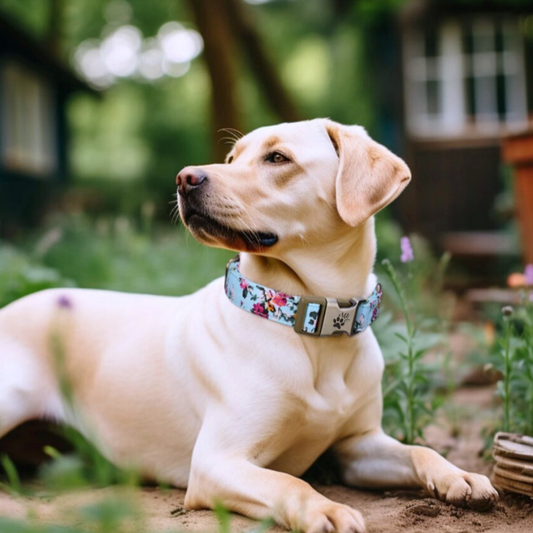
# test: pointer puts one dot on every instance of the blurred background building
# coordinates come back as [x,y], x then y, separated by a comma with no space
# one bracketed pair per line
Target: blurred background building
[467,76]
[34,88]
[441,82]
[455,78]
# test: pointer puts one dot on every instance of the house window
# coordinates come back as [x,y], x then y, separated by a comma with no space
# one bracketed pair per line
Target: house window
[465,78]
[28,134]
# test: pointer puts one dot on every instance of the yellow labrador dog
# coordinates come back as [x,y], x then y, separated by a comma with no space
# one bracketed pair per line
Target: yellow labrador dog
[200,393]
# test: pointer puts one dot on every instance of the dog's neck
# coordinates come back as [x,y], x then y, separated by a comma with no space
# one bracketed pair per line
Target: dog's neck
[338,269]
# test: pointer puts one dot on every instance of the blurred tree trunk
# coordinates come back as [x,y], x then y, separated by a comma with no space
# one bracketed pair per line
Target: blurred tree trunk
[267,76]
[55,26]
[227,28]
[219,54]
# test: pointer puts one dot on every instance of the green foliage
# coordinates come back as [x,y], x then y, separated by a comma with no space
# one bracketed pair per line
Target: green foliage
[19,526]
[126,255]
[407,394]
[504,386]
[13,485]
[409,399]
[31,14]
[513,358]
[22,274]
[374,10]
[84,466]
[144,133]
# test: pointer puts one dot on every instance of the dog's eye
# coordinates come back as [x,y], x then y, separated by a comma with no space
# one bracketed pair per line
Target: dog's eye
[230,159]
[276,157]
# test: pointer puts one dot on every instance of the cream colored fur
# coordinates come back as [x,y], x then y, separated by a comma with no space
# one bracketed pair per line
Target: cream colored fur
[198,393]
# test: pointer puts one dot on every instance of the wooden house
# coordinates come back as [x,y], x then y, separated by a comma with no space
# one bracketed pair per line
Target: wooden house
[452,78]
[34,88]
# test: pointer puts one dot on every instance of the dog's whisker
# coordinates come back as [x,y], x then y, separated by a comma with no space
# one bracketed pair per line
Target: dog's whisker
[228,140]
[232,131]
[175,213]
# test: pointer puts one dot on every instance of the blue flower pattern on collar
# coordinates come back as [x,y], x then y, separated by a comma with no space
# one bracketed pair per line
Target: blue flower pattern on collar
[368,311]
[259,300]
[281,307]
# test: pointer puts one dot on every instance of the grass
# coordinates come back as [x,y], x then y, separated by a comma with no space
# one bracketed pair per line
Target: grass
[13,485]
[108,253]
[21,274]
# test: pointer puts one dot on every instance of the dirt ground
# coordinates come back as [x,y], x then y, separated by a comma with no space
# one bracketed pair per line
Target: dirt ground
[385,512]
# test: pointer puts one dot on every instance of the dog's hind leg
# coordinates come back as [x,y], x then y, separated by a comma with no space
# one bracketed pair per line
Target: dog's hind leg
[26,391]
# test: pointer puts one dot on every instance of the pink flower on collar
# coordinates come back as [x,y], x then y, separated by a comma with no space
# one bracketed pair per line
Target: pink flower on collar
[259,310]
[279,299]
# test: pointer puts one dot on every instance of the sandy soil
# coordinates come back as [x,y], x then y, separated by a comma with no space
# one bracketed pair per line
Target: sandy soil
[385,512]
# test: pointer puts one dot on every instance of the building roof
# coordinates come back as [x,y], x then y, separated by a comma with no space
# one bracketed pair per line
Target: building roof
[17,43]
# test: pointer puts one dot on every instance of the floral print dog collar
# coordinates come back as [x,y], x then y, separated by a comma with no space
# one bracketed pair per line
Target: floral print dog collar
[310,315]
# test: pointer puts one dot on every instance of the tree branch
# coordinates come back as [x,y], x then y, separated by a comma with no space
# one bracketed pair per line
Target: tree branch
[262,67]
[219,54]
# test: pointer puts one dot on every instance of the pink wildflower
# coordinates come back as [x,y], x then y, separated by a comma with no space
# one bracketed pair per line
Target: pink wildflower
[407,250]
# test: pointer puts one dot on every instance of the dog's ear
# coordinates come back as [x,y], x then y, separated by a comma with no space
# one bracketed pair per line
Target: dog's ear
[369,178]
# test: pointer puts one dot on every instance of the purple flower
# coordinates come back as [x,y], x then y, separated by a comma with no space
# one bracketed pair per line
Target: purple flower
[64,302]
[407,251]
[528,274]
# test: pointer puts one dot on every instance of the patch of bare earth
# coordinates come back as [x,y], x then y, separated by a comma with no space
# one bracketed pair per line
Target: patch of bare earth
[385,512]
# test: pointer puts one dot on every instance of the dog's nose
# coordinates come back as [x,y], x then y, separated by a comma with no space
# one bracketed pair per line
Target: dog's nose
[190,178]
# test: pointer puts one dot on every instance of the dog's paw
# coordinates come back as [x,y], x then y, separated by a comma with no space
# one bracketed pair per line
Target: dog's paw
[465,490]
[332,517]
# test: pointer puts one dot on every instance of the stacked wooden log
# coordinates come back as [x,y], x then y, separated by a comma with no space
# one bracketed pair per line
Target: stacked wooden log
[513,471]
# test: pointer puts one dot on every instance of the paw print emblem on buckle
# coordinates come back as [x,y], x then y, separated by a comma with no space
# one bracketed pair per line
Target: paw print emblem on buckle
[340,320]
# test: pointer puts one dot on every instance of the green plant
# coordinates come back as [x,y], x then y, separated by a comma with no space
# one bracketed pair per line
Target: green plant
[512,357]
[515,362]
[525,355]
[504,385]
[409,402]
[21,274]
[130,255]
[13,485]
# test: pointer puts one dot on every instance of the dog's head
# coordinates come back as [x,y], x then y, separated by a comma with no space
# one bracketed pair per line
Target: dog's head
[296,184]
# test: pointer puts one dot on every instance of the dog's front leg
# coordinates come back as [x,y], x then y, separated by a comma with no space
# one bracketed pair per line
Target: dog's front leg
[260,493]
[376,460]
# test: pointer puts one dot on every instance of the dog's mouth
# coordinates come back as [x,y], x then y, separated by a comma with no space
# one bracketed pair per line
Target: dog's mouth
[206,228]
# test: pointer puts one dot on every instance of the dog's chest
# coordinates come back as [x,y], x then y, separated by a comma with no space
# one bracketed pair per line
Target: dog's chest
[310,430]
[314,426]
[333,407]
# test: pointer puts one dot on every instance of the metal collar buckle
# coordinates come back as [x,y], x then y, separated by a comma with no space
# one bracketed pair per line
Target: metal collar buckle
[335,316]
